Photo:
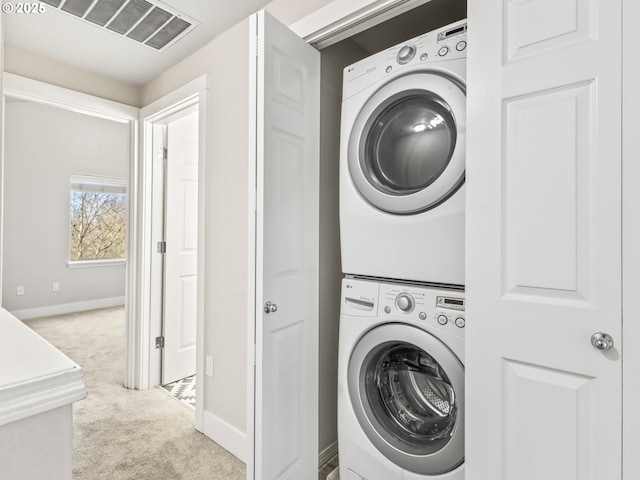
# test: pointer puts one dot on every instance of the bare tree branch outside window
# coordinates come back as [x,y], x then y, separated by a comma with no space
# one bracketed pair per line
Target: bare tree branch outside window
[98,224]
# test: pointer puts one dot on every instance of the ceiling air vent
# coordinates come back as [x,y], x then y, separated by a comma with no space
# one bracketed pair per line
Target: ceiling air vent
[147,22]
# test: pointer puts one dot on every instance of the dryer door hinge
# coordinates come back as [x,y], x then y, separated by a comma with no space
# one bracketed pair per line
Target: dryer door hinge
[160,342]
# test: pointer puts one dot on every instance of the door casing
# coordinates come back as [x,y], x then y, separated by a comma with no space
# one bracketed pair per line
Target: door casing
[144,360]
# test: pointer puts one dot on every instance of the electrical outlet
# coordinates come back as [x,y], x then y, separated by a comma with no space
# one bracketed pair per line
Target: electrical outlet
[209,366]
[20,290]
[55,287]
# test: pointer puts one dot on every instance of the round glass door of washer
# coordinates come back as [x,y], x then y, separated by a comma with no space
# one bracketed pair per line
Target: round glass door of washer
[407,146]
[408,396]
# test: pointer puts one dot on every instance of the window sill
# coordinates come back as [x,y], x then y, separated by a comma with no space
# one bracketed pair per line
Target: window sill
[95,263]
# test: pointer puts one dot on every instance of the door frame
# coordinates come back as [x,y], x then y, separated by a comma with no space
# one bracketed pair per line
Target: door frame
[144,360]
[630,241]
[335,21]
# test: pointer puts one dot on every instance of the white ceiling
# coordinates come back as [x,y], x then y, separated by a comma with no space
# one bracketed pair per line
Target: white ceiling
[73,41]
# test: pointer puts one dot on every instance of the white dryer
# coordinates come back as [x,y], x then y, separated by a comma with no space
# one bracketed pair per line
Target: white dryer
[402,160]
[400,382]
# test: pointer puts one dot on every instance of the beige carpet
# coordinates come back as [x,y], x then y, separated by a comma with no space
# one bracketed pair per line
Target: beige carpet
[122,434]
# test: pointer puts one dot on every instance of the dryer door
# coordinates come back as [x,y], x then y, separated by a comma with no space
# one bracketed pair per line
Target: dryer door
[407,146]
[407,390]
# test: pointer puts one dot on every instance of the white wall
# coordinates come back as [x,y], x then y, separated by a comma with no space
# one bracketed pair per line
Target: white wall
[43,146]
[37,67]
[38,446]
[227,63]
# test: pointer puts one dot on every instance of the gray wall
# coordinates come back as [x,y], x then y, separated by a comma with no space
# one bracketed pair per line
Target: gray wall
[43,146]
[226,207]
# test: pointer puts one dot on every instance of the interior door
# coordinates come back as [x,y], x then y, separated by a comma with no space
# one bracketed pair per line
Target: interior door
[544,240]
[287,110]
[181,236]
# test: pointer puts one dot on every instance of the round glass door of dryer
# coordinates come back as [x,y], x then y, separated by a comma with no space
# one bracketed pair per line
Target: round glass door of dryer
[407,146]
[407,390]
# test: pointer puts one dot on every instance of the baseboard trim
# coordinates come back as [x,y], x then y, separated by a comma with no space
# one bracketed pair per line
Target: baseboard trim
[226,435]
[327,454]
[65,308]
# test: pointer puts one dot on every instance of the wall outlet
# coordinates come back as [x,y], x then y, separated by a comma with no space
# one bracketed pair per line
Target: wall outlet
[20,290]
[209,366]
[55,287]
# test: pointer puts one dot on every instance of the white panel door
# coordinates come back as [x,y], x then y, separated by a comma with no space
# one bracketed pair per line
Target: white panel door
[181,235]
[287,171]
[543,240]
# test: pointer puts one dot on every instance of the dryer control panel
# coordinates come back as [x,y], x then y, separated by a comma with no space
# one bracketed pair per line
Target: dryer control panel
[424,51]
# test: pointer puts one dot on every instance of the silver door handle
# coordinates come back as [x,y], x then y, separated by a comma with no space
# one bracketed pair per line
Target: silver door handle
[601,341]
[270,307]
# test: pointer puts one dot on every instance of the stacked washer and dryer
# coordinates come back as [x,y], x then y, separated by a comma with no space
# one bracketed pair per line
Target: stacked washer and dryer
[402,192]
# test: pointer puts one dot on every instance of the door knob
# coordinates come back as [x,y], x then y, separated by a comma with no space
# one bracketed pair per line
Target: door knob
[270,307]
[601,341]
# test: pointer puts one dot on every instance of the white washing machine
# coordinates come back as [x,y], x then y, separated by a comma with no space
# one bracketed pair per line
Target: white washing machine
[400,382]
[402,160]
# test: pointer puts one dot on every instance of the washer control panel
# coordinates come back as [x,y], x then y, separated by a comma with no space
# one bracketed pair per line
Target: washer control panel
[436,306]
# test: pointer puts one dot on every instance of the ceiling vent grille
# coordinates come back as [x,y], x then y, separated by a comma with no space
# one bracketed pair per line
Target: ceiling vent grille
[147,22]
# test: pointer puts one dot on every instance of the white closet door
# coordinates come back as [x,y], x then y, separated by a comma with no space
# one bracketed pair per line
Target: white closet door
[543,240]
[287,105]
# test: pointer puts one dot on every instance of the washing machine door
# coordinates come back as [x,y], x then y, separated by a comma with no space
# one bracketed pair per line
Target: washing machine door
[407,390]
[407,146]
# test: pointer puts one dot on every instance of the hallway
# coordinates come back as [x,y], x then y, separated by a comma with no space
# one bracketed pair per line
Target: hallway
[122,434]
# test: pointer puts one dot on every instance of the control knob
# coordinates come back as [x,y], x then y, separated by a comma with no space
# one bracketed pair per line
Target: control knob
[405,302]
[406,54]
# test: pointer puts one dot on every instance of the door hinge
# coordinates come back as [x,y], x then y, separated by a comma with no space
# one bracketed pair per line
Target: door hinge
[162,247]
[164,153]
[160,342]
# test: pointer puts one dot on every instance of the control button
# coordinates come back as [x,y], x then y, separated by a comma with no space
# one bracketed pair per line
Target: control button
[443,51]
[387,309]
[422,315]
[442,319]
[405,302]
[388,69]
[460,322]
[424,56]
[406,54]
[461,45]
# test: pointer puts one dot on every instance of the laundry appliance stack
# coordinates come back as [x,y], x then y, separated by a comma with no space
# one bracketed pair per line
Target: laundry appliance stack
[402,195]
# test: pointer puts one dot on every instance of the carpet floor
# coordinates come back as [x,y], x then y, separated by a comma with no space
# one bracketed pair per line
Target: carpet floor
[121,434]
